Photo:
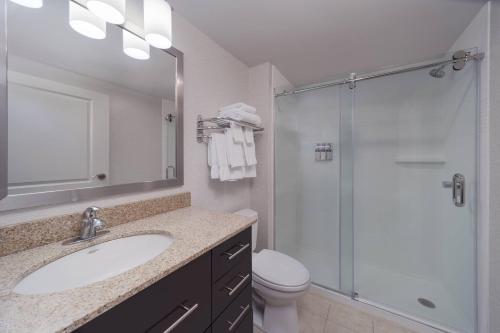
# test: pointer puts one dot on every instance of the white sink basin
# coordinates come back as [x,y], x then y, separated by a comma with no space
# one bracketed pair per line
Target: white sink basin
[93,264]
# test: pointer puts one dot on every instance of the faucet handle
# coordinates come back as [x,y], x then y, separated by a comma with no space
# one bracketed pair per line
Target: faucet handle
[91,212]
[99,224]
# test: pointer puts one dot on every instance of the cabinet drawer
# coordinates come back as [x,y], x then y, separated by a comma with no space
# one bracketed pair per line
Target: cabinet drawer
[161,304]
[230,253]
[229,286]
[246,325]
[237,315]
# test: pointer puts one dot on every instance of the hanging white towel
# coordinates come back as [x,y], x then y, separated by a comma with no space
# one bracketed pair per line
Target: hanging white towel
[249,147]
[237,132]
[226,173]
[248,135]
[236,173]
[239,106]
[212,158]
[219,140]
[234,150]
[251,171]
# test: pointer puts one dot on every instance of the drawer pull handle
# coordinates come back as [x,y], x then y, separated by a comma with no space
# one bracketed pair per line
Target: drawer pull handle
[242,282]
[181,318]
[235,323]
[231,256]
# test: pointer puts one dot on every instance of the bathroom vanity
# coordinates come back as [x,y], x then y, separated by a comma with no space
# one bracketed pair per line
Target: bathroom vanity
[201,282]
[210,294]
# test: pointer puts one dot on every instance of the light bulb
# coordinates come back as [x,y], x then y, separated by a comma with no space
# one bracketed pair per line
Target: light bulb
[112,11]
[135,47]
[86,23]
[158,23]
[29,3]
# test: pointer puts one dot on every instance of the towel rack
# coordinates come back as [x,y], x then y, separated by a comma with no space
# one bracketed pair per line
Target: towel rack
[218,123]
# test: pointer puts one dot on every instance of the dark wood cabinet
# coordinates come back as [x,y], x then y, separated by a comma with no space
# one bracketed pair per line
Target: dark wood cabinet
[191,299]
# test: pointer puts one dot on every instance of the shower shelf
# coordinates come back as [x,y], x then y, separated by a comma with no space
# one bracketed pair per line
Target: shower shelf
[220,124]
[420,160]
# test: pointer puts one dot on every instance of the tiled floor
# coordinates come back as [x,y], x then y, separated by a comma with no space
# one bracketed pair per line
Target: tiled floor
[320,315]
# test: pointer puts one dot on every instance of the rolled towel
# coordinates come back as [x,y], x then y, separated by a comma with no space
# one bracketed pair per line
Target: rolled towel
[239,106]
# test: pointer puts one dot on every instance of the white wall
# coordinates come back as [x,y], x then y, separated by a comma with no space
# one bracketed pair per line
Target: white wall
[263,80]
[260,96]
[212,78]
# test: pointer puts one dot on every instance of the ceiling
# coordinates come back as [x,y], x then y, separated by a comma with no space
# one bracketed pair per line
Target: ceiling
[316,40]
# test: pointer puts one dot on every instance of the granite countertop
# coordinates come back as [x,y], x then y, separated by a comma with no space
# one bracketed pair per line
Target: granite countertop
[195,232]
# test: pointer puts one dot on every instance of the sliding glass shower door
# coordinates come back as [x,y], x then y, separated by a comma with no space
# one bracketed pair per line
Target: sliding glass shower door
[414,183]
[375,191]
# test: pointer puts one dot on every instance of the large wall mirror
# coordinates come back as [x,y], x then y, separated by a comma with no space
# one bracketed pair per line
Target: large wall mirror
[84,120]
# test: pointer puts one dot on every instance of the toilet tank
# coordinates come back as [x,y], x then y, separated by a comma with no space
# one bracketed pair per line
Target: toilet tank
[253,214]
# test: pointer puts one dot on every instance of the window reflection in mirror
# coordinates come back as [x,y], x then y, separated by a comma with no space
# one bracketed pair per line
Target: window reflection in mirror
[81,112]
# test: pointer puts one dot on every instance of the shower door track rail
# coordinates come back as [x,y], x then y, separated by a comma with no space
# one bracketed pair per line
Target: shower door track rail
[353,78]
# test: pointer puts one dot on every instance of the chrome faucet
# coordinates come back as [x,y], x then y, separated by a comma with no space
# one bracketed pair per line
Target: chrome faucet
[90,223]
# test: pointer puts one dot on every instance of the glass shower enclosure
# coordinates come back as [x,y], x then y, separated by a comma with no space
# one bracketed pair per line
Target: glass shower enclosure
[388,217]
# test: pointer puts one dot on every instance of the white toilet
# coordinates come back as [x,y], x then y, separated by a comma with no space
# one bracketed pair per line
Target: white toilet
[278,281]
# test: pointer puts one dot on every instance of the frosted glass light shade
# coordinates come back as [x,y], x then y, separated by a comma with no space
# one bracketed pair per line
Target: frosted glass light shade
[158,23]
[29,3]
[112,11]
[135,47]
[86,23]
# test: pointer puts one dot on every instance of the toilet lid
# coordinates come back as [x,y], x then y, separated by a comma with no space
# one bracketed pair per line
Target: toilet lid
[279,269]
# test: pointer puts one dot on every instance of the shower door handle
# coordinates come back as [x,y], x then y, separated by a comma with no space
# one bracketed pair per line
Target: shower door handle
[458,189]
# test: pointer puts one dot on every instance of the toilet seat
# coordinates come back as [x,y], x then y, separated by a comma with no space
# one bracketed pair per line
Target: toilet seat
[279,272]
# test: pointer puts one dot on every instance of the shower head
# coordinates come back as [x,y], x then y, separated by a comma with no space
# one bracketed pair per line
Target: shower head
[438,72]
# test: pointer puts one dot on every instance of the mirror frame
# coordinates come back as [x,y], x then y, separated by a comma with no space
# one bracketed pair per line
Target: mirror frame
[18,201]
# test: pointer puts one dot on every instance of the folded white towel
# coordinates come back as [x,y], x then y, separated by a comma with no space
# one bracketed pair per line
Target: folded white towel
[239,106]
[234,150]
[241,116]
[237,132]
[249,148]
[212,158]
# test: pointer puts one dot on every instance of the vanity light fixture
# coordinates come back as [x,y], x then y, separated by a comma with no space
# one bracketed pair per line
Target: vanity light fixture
[112,11]
[158,23]
[85,22]
[29,3]
[134,46]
